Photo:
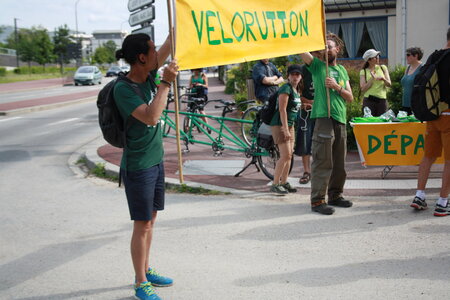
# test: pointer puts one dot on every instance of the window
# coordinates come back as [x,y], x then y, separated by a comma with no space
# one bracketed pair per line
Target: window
[360,35]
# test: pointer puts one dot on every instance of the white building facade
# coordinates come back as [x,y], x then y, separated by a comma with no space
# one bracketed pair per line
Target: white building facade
[390,26]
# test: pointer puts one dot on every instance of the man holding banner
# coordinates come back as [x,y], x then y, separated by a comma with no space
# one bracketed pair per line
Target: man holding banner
[329,146]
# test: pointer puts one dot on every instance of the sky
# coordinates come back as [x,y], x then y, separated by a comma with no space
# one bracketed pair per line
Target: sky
[91,14]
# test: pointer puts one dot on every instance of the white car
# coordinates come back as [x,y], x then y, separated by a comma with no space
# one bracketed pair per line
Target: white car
[87,75]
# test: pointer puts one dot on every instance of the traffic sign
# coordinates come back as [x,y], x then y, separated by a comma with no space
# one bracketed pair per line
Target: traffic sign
[136,4]
[142,16]
[149,30]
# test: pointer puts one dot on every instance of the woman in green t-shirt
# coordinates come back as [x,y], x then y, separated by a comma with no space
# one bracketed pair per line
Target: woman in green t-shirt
[374,80]
[282,126]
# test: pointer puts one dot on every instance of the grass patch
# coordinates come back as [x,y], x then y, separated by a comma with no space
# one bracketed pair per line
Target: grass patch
[100,171]
[81,161]
[184,189]
[11,77]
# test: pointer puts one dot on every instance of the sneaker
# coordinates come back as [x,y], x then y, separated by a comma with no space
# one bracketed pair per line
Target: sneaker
[323,209]
[441,211]
[145,291]
[278,189]
[158,280]
[341,202]
[419,204]
[287,186]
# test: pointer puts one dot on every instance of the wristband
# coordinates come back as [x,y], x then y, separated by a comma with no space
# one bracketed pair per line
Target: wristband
[166,82]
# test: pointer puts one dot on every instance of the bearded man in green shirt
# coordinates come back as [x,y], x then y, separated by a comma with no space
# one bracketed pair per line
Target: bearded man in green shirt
[329,145]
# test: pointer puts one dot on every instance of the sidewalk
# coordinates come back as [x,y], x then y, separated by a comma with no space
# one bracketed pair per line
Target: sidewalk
[203,169]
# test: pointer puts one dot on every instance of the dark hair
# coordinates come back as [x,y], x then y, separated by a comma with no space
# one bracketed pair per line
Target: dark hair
[415,51]
[132,46]
[448,34]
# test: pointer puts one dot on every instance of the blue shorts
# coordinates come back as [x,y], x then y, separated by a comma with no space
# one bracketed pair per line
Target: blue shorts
[145,191]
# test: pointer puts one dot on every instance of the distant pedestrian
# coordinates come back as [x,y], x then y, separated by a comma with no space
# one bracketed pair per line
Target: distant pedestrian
[329,146]
[282,127]
[142,166]
[266,78]
[413,59]
[374,80]
[437,138]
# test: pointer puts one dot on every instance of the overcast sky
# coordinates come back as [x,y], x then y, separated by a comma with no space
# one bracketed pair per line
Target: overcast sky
[92,15]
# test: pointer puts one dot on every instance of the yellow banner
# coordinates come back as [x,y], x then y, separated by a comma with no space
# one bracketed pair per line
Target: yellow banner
[213,32]
[391,144]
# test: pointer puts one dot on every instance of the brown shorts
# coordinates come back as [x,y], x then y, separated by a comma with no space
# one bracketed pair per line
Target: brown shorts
[437,137]
[278,136]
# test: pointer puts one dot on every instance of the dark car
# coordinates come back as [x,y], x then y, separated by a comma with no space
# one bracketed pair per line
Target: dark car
[113,71]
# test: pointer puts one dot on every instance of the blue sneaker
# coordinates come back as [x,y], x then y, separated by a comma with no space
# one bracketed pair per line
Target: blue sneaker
[145,291]
[156,279]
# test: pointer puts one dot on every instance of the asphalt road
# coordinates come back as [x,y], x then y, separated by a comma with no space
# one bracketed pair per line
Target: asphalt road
[65,236]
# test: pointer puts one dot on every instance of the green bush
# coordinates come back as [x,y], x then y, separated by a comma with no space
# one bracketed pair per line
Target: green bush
[395,93]
[2,71]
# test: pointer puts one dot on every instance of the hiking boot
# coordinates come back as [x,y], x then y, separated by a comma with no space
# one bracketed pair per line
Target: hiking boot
[441,211]
[341,202]
[287,186]
[157,280]
[278,189]
[419,204]
[145,291]
[323,209]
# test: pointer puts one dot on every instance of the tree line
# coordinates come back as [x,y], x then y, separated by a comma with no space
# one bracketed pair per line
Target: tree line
[35,45]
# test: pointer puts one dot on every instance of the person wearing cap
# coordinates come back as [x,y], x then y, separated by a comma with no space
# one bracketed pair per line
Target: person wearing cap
[266,78]
[373,81]
[329,142]
[282,127]
[413,57]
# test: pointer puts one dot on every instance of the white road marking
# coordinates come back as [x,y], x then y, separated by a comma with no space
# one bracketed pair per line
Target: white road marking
[9,119]
[63,121]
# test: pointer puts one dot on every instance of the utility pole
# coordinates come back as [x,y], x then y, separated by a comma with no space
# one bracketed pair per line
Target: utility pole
[16,39]
[77,34]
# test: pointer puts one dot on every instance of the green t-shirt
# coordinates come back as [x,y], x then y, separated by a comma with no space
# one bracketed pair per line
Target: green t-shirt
[338,108]
[292,108]
[197,80]
[144,143]
[378,88]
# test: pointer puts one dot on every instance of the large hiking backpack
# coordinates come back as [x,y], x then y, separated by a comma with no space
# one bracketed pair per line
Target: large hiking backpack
[111,122]
[426,102]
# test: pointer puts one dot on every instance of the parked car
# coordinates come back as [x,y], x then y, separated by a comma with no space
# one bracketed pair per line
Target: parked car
[125,68]
[88,75]
[113,71]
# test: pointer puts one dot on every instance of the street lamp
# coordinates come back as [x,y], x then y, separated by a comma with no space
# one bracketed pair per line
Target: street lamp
[76,29]
[16,39]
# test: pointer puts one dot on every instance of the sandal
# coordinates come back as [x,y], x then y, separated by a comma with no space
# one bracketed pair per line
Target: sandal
[305,178]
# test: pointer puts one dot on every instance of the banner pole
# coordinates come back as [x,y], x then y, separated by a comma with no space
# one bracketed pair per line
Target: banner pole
[326,57]
[175,93]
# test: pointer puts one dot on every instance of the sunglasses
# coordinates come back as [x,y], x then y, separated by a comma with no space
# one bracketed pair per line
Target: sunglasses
[408,54]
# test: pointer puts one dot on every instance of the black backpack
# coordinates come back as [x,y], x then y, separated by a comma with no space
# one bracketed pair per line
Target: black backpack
[426,102]
[268,110]
[111,122]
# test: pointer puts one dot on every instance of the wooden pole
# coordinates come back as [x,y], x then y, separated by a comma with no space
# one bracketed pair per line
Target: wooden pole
[175,93]
[326,57]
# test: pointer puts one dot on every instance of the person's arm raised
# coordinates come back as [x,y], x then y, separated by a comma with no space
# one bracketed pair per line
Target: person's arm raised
[307,58]
[150,113]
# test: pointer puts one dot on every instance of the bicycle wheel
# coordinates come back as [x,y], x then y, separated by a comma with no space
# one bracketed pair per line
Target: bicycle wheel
[186,124]
[246,128]
[268,163]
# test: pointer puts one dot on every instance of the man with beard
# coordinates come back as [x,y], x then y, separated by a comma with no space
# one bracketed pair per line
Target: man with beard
[329,145]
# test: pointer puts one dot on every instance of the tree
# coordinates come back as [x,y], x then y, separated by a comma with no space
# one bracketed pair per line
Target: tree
[111,47]
[25,45]
[101,55]
[43,46]
[61,43]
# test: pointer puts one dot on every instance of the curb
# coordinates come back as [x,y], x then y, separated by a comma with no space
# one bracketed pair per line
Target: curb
[45,107]
[89,152]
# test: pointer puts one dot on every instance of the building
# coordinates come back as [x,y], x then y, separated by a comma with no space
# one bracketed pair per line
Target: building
[390,26]
[100,37]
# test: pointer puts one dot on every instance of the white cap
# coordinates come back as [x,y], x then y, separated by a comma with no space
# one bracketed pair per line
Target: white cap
[370,54]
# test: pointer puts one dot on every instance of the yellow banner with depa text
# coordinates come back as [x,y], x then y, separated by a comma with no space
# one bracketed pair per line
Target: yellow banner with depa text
[213,32]
[391,144]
